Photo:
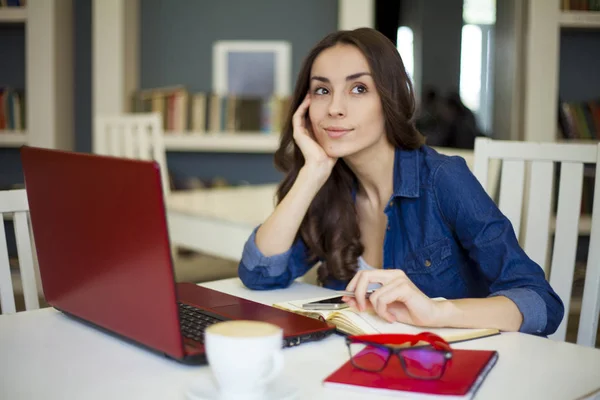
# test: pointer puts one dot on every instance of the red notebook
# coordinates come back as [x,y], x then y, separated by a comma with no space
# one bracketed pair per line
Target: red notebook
[464,374]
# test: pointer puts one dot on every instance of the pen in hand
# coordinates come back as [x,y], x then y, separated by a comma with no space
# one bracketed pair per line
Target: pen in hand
[352,294]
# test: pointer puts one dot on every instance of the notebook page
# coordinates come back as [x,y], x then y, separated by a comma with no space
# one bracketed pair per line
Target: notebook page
[344,317]
[380,325]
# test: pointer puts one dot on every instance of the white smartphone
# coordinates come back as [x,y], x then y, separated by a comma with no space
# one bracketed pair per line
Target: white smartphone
[332,303]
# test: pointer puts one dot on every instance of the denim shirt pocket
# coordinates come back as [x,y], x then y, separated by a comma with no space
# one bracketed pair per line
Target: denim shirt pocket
[431,259]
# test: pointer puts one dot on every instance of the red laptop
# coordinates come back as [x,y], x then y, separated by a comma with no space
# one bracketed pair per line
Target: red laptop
[103,249]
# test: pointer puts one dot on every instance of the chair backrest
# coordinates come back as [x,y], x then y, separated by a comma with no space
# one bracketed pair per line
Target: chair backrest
[137,136]
[534,207]
[13,203]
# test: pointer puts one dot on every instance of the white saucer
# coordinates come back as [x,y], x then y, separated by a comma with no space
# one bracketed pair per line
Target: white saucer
[205,389]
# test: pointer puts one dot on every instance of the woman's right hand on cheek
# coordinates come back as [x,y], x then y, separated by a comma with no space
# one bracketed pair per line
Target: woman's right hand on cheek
[316,159]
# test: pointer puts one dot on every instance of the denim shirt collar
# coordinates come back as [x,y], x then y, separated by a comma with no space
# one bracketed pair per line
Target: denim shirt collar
[406,173]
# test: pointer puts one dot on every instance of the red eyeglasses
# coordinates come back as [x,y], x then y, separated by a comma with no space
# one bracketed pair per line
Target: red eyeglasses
[373,352]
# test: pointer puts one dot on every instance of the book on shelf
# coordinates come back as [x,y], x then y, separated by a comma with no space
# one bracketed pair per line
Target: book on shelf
[200,112]
[352,322]
[462,378]
[171,102]
[580,5]
[12,109]
[579,120]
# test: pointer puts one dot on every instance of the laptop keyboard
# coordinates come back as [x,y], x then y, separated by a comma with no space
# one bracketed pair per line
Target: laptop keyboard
[194,321]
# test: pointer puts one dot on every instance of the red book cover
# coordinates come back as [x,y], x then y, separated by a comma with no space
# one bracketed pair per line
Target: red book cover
[464,374]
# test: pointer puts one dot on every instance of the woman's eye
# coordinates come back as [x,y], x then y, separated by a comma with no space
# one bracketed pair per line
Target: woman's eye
[321,91]
[359,89]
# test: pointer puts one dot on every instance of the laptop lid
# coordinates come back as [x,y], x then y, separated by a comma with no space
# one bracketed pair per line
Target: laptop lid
[102,243]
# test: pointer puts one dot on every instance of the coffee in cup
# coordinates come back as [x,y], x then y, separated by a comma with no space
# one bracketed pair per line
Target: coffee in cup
[244,357]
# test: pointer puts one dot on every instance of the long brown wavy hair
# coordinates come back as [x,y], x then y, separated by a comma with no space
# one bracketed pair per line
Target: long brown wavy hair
[330,227]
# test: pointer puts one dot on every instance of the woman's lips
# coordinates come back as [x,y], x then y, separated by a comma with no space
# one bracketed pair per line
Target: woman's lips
[336,132]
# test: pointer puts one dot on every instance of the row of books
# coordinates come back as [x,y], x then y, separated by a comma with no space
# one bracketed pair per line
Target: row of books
[183,111]
[580,120]
[580,5]
[12,109]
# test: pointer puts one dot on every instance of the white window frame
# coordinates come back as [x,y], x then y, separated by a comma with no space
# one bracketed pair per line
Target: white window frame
[283,64]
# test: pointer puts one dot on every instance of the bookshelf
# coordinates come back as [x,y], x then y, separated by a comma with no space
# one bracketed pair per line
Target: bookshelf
[48,76]
[577,115]
[579,19]
[222,142]
[13,15]
[13,139]
[545,22]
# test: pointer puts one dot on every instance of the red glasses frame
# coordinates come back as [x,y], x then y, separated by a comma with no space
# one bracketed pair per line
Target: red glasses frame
[390,342]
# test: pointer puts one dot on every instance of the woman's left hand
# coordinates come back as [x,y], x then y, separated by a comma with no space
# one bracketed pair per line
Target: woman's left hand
[398,299]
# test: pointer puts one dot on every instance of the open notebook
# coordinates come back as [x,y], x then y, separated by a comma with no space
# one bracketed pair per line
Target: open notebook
[352,322]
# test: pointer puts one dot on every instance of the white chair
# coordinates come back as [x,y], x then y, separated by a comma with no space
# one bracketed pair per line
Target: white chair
[137,136]
[13,203]
[534,208]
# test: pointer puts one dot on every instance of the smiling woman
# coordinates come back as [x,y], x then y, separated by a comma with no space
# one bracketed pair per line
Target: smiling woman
[364,196]
[360,107]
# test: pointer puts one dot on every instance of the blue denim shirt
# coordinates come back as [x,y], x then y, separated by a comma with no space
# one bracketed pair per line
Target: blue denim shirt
[446,234]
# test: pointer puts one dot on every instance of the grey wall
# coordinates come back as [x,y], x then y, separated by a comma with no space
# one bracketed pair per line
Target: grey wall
[12,55]
[176,48]
[82,47]
[579,65]
[10,168]
[177,35]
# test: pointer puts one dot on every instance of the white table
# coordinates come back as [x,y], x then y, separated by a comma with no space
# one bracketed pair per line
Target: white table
[46,355]
[218,221]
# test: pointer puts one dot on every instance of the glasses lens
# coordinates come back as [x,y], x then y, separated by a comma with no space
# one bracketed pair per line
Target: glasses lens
[424,363]
[368,358]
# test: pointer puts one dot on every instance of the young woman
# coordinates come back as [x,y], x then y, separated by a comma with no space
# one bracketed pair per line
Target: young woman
[367,198]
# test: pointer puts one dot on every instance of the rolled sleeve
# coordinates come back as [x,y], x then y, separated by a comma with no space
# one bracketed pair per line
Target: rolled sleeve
[260,272]
[274,265]
[532,308]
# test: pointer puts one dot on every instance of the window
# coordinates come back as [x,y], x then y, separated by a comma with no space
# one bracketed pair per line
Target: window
[470,67]
[406,49]
[476,90]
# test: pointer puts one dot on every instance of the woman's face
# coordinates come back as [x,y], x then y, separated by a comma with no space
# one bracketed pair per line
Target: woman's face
[345,108]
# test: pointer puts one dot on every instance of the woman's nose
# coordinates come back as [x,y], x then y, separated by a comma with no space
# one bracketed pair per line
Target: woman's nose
[337,106]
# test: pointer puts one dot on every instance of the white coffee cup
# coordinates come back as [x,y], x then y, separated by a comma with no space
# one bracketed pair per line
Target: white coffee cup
[244,356]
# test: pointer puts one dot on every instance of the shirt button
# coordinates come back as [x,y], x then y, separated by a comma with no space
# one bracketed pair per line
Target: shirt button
[391,203]
[388,228]
[427,263]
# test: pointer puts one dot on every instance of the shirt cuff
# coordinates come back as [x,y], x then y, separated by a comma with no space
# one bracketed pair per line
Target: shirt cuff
[275,265]
[532,307]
